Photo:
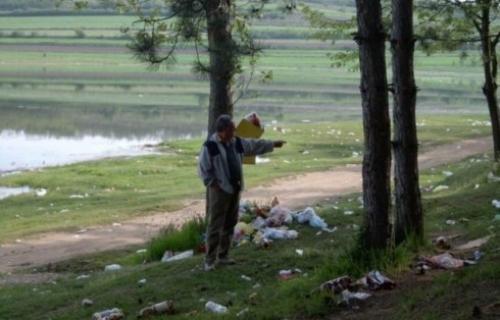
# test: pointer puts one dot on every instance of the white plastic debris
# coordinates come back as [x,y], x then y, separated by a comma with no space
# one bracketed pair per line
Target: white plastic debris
[141,282]
[112,267]
[87,302]
[215,307]
[495,203]
[242,312]
[451,222]
[440,188]
[300,252]
[41,192]
[348,212]
[246,278]
[493,178]
[279,234]
[448,173]
[348,296]
[141,251]
[82,277]
[111,314]
[179,256]
[260,160]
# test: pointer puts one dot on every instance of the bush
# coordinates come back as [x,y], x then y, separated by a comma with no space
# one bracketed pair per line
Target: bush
[189,236]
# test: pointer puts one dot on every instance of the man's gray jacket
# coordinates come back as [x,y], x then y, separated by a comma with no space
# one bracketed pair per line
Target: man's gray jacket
[213,166]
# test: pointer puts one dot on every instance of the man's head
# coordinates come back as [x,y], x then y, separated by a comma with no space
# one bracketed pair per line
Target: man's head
[225,127]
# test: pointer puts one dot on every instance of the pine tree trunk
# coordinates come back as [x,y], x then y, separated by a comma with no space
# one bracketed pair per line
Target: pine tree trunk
[408,206]
[222,60]
[490,66]
[376,124]
[490,92]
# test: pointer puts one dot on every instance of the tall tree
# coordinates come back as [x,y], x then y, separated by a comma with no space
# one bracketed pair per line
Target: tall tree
[447,24]
[408,206]
[371,38]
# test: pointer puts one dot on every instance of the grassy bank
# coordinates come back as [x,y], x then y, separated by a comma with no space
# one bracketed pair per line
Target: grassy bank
[469,196]
[117,189]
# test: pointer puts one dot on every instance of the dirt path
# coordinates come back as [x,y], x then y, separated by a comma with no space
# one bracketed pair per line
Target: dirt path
[295,192]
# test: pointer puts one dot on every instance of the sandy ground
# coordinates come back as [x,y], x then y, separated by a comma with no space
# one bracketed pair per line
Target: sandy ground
[295,192]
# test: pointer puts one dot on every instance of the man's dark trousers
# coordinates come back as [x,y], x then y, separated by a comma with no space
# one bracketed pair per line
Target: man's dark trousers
[222,217]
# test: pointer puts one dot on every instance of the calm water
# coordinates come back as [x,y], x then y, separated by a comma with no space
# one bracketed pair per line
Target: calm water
[38,136]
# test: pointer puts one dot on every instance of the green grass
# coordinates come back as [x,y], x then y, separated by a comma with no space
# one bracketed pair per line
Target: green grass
[324,258]
[126,187]
[174,239]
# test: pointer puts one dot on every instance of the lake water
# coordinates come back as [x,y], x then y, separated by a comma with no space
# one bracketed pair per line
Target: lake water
[34,136]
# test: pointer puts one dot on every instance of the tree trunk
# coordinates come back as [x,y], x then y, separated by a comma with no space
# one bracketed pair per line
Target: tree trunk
[222,60]
[376,124]
[490,72]
[409,219]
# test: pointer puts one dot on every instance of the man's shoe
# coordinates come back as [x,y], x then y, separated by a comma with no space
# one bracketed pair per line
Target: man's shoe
[226,261]
[208,266]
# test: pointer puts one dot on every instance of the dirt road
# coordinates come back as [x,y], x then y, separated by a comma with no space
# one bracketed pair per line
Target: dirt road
[295,192]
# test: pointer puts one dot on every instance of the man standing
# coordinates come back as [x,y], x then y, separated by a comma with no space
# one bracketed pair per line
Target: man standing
[220,168]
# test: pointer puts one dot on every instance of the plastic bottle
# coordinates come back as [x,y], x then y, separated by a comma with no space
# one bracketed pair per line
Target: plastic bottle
[215,307]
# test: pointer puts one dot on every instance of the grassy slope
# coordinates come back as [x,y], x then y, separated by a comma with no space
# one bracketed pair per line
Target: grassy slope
[189,287]
[126,187]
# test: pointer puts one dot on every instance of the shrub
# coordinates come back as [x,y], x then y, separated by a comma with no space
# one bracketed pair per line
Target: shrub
[189,236]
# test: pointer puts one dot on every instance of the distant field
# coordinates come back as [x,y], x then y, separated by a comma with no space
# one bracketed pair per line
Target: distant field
[44,62]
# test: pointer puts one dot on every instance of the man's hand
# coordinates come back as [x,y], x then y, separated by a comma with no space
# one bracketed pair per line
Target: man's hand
[278,143]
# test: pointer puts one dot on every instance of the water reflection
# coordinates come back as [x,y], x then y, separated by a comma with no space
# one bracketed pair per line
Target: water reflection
[19,151]
[6,192]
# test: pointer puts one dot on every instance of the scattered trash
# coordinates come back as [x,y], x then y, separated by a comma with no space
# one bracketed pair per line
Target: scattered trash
[260,160]
[87,302]
[348,212]
[165,307]
[442,243]
[279,234]
[440,188]
[246,278]
[215,307]
[451,222]
[375,280]
[112,267]
[445,261]
[337,285]
[168,256]
[41,192]
[300,252]
[279,216]
[448,173]
[305,152]
[288,273]
[497,217]
[476,256]
[348,296]
[141,251]
[242,312]
[495,203]
[493,178]
[141,282]
[111,314]
[308,215]
[83,276]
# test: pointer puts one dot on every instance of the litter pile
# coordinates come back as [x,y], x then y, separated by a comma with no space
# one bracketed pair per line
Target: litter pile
[263,224]
[350,291]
